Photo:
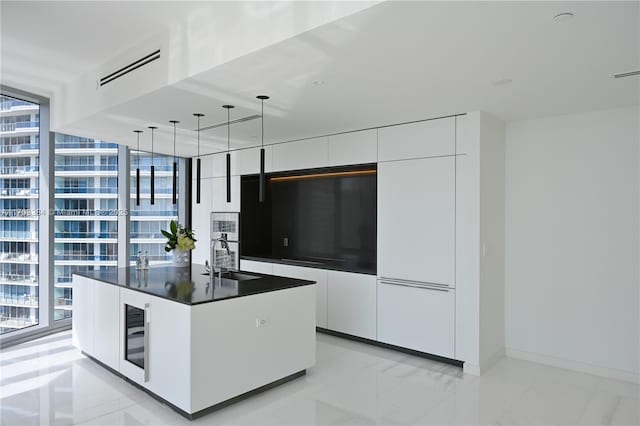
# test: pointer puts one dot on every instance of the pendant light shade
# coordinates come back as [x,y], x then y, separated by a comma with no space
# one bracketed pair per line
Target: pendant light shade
[137,132]
[262,188]
[228,108]
[153,169]
[198,171]
[175,164]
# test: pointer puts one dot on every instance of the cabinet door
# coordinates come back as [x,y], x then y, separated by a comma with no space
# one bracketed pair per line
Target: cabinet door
[82,320]
[312,274]
[220,194]
[259,267]
[418,318]
[219,164]
[353,148]
[248,161]
[351,303]
[306,154]
[107,324]
[416,140]
[200,219]
[416,220]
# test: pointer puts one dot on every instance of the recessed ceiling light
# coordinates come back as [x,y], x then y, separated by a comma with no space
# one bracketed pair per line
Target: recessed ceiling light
[563,17]
[318,82]
[502,82]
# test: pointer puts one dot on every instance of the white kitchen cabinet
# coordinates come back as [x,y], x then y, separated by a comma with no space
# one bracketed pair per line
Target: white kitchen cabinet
[311,274]
[353,148]
[169,356]
[430,138]
[417,317]
[298,155]
[416,220]
[248,161]
[254,266]
[106,327]
[206,166]
[219,187]
[219,164]
[351,302]
[83,317]
[200,219]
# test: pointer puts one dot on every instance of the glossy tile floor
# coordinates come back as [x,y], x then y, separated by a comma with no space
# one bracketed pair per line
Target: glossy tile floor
[49,382]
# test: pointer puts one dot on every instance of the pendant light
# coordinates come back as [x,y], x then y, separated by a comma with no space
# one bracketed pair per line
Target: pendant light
[228,108]
[262,178]
[153,170]
[175,164]
[137,132]
[198,115]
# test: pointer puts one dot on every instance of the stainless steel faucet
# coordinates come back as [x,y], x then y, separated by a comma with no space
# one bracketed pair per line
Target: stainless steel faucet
[225,245]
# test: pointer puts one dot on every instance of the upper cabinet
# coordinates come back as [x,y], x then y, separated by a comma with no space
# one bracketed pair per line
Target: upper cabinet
[353,148]
[247,161]
[298,155]
[219,196]
[218,164]
[432,138]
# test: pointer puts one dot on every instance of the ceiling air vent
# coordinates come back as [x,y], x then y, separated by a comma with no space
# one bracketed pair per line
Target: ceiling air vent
[131,67]
[626,74]
[239,120]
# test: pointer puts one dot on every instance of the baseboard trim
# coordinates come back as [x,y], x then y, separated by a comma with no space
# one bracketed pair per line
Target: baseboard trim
[583,367]
[207,410]
[439,358]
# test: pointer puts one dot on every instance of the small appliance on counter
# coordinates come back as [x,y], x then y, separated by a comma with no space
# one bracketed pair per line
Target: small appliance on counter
[226,225]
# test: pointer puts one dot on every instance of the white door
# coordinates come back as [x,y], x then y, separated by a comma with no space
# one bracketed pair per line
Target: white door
[417,317]
[416,220]
[107,324]
[351,303]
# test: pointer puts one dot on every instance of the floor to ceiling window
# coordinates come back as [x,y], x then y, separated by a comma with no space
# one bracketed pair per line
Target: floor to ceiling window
[86,215]
[19,184]
[148,219]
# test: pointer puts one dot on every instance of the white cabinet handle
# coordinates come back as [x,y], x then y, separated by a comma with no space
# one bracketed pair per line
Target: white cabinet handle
[146,342]
[414,285]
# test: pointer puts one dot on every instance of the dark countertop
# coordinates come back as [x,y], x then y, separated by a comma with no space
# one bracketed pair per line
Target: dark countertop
[187,284]
[332,265]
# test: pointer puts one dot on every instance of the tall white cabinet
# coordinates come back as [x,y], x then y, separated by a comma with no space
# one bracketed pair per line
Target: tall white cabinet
[416,220]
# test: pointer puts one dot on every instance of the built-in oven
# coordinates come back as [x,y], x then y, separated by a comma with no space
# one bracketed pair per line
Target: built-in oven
[226,225]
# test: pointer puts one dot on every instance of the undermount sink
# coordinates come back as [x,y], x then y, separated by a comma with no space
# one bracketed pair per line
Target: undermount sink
[236,276]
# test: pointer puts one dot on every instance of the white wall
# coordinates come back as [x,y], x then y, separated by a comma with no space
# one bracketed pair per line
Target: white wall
[572,236]
[492,210]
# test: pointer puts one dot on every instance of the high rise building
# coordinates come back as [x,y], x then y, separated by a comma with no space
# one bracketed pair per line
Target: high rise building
[86,212]
[86,209]
[19,161]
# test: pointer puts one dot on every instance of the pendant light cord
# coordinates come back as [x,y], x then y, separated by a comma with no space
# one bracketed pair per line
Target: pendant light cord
[174,141]
[228,129]
[262,121]
[198,135]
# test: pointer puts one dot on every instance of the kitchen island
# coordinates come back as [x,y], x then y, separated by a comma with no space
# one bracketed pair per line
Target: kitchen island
[195,346]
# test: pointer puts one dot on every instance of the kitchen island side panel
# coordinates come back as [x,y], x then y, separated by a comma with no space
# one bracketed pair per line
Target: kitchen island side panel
[240,344]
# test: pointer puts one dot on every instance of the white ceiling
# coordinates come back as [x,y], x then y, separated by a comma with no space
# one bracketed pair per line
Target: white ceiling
[46,44]
[393,62]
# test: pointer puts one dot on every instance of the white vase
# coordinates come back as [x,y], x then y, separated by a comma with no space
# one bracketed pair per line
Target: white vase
[181,258]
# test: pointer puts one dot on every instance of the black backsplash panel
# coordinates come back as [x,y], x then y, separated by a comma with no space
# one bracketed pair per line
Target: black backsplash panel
[328,220]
